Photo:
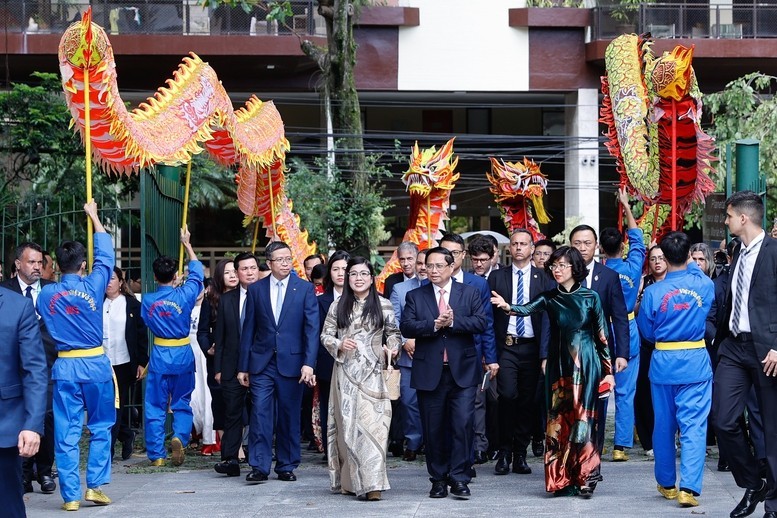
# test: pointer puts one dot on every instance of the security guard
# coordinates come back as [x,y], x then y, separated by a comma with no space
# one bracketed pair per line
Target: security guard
[672,315]
[72,310]
[167,314]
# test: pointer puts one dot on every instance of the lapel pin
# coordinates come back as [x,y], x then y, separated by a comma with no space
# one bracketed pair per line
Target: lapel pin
[596,278]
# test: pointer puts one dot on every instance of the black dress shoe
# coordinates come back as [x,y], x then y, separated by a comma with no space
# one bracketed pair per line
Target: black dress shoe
[256,476]
[493,454]
[127,445]
[750,501]
[409,455]
[396,448]
[480,457]
[471,473]
[770,514]
[47,484]
[230,468]
[503,463]
[537,448]
[723,465]
[520,466]
[439,489]
[287,476]
[27,486]
[460,490]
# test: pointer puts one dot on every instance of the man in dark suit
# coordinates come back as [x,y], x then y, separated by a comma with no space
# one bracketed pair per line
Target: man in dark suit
[522,343]
[747,354]
[23,376]
[606,282]
[406,253]
[28,282]
[279,342]
[444,317]
[226,336]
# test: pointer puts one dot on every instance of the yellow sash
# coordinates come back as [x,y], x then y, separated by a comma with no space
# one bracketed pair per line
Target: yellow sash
[674,346]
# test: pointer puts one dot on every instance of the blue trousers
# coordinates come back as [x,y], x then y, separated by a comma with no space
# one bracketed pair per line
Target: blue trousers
[625,389]
[177,388]
[411,416]
[276,401]
[683,407]
[71,399]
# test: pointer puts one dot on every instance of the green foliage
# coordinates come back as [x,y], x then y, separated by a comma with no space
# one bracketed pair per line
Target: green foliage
[212,185]
[746,108]
[279,11]
[333,212]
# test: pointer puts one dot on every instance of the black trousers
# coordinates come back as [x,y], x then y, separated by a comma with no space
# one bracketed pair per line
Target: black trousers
[643,400]
[234,399]
[739,368]
[447,418]
[519,373]
[125,377]
[11,492]
[41,463]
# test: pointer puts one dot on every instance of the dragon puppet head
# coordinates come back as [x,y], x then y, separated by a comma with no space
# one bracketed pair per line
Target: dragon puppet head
[84,42]
[515,184]
[431,169]
[672,74]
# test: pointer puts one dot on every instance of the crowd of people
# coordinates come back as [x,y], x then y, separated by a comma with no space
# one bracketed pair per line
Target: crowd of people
[496,363]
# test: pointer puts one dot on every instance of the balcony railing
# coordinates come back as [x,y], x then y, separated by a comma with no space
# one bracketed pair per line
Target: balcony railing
[157,17]
[687,21]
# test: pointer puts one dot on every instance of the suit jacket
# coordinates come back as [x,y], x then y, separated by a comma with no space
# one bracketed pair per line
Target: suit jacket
[459,339]
[23,372]
[294,339]
[485,341]
[501,281]
[606,282]
[761,303]
[398,296]
[391,281]
[48,342]
[226,334]
[136,334]
[325,362]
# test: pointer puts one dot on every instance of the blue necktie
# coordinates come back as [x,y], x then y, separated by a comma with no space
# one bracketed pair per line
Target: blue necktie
[278,301]
[519,326]
[28,292]
[243,313]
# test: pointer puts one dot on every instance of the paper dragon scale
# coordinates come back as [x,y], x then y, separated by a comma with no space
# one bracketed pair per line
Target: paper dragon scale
[430,179]
[192,114]
[516,186]
[652,108]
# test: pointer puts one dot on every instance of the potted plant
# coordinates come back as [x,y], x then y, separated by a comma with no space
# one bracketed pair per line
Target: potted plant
[625,13]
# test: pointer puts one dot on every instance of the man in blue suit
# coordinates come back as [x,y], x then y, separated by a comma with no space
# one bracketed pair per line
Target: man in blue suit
[444,317]
[23,374]
[279,342]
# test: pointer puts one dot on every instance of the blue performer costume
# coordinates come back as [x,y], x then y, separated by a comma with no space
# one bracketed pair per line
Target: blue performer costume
[672,315]
[72,310]
[167,313]
[630,273]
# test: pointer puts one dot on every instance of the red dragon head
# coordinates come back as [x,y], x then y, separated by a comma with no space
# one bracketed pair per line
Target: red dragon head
[514,184]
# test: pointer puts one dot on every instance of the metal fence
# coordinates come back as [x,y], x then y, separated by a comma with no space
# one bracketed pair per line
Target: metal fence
[673,20]
[158,17]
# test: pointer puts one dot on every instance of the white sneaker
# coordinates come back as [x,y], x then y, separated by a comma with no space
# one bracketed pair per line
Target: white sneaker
[649,453]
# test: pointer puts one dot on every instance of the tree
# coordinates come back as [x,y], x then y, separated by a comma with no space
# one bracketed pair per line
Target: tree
[746,108]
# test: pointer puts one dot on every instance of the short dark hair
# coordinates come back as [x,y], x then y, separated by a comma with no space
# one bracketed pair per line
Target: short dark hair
[611,240]
[749,203]
[70,255]
[731,245]
[522,231]
[273,247]
[442,251]
[571,254]
[24,246]
[546,242]
[311,257]
[318,272]
[453,238]
[46,258]
[264,268]
[675,246]
[244,256]
[480,245]
[164,269]
[491,239]
[583,228]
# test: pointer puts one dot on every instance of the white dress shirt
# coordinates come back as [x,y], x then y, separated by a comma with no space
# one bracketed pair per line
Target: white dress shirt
[746,261]
[114,327]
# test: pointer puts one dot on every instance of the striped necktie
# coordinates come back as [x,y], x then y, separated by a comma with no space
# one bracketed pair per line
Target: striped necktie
[520,327]
[737,311]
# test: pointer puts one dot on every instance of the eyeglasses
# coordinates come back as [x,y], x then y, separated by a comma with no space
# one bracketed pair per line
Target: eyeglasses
[363,273]
[582,243]
[439,266]
[657,258]
[456,253]
[476,260]
[559,266]
[281,260]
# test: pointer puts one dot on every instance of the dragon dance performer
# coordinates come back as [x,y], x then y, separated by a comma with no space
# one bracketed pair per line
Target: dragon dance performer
[83,378]
[167,313]
[629,271]
[672,315]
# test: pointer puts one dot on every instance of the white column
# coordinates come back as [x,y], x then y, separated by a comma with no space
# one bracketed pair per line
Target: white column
[581,170]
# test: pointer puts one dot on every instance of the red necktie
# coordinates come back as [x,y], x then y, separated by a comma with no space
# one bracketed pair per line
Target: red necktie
[443,307]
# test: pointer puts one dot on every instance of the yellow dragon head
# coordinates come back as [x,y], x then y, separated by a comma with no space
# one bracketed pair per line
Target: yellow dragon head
[84,42]
[431,169]
[672,73]
[515,181]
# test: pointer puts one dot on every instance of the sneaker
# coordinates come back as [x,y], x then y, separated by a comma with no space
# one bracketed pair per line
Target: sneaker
[670,493]
[686,499]
[649,453]
[97,496]
[179,454]
[619,456]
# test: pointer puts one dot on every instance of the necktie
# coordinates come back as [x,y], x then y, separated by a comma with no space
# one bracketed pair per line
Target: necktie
[243,313]
[443,307]
[28,292]
[519,325]
[738,295]
[278,301]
